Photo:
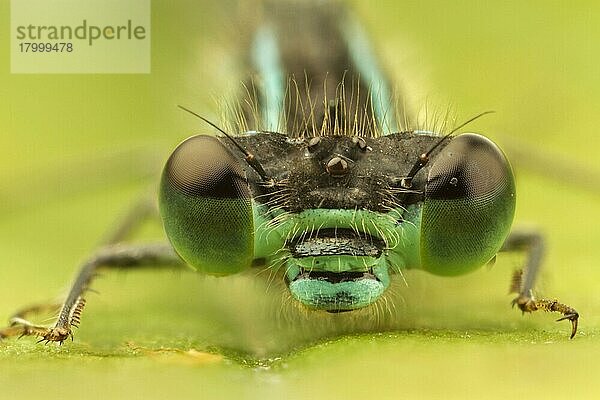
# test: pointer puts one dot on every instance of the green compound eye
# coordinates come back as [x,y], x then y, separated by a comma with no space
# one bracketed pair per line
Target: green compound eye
[206,207]
[469,206]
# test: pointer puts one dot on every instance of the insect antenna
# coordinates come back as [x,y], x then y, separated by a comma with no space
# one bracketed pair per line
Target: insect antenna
[249,157]
[424,158]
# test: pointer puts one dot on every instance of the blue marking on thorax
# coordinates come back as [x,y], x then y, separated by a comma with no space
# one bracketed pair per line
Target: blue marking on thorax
[366,63]
[265,56]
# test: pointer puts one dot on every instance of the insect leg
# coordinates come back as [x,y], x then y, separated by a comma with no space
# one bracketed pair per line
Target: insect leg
[523,281]
[109,256]
[19,323]
[118,256]
[141,210]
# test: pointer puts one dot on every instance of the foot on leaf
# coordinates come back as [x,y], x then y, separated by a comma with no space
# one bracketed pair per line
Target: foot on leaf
[21,327]
[528,304]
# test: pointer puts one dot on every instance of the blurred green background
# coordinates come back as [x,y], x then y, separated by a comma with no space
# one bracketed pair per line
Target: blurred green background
[76,150]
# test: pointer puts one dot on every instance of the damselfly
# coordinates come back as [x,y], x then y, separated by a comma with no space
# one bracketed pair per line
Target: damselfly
[319,178]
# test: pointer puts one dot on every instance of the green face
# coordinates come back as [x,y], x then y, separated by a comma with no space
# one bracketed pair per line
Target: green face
[337,259]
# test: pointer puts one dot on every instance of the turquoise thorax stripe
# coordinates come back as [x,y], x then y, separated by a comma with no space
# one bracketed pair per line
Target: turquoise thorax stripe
[265,56]
[267,61]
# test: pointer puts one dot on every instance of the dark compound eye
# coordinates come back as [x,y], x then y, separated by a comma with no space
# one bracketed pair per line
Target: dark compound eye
[469,206]
[470,167]
[202,167]
[206,206]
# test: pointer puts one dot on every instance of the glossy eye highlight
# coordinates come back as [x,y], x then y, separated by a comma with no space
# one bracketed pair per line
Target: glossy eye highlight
[469,206]
[206,208]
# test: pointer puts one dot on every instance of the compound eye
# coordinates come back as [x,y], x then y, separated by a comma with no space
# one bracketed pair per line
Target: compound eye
[206,207]
[469,206]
